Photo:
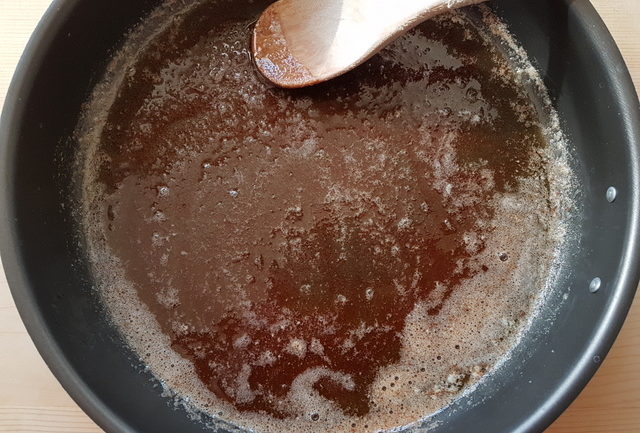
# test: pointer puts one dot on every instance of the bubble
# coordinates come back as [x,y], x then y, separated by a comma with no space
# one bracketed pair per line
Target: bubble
[163,190]
[305,289]
[472,94]
[369,293]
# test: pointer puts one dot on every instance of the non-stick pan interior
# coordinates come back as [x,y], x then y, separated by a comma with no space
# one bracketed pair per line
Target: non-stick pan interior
[50,279]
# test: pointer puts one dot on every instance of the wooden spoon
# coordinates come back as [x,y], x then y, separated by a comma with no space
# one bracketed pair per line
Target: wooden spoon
[297,43]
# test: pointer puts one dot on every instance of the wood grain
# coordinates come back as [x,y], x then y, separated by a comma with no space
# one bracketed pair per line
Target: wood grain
[31,400]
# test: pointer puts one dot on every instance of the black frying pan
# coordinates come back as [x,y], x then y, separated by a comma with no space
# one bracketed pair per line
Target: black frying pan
[50,279]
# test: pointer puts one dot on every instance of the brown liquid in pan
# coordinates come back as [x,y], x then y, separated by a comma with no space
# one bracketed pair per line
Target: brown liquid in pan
[274,233]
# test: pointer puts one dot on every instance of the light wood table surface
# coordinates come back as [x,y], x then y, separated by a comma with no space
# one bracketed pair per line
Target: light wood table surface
[31,400]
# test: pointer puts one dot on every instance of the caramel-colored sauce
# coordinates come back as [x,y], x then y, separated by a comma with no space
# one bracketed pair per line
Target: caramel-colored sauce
[275,232]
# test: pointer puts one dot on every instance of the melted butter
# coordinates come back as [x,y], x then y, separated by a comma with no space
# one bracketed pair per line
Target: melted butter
[280,234]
